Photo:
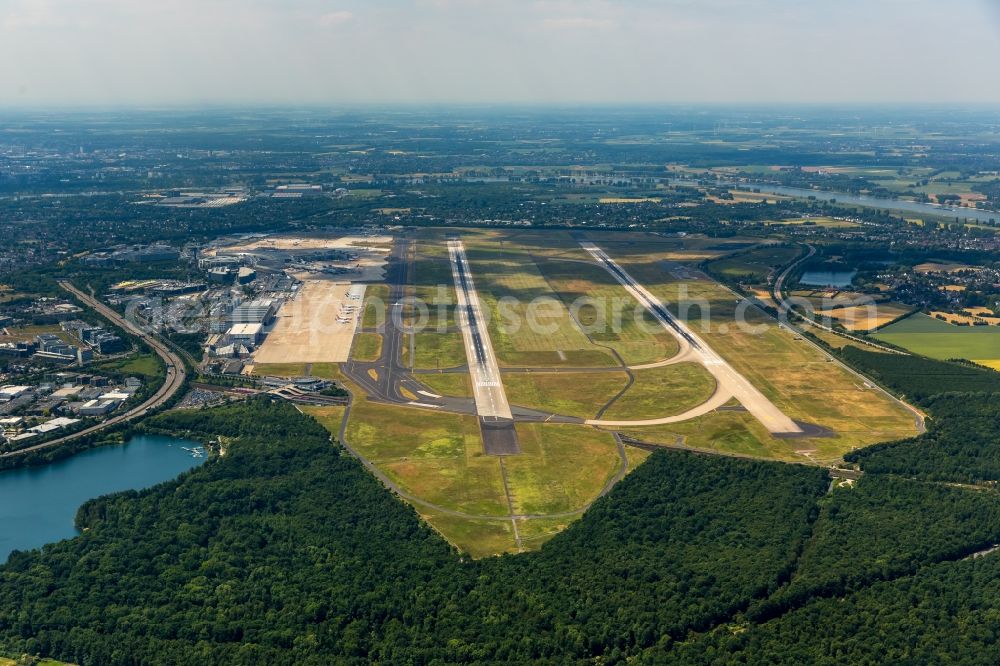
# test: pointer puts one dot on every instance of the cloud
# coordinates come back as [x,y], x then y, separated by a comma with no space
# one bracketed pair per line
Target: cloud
[335,18]
[29,15]
[577,23]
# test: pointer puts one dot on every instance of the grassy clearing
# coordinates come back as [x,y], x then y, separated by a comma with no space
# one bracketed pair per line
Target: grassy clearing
[839,342]
[28,333]
[561,467]
[329,417]
[568,394]
[435,309]
[432,455]
[281,369]
[326,370]
[478,538]
[756,265]
[825,222]
[663,392]
[535,532]
[147,365]
[738,434]
[609,314]
[435,351]
[9,296]
[431,266]
[376,299]
[456,384]
[525,316]
[653,248]
[937,339]
[367,347]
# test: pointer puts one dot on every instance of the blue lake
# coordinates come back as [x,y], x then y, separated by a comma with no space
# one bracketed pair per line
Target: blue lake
[38,504]
[828,278]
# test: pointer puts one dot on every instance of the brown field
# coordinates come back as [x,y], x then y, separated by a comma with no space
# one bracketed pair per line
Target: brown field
[935,267]
[861,318]
[968,319]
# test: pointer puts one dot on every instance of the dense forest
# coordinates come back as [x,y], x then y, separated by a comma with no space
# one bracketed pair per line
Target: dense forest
[286,551]
[962,437]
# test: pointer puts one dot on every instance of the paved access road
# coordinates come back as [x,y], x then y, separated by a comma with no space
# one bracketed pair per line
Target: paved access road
[176,374]
[729,380]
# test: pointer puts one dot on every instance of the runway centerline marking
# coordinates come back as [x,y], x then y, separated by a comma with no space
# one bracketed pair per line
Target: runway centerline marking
[490,397]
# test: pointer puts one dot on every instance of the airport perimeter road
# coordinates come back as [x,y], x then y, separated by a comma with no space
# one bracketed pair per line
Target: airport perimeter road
[730,381]
[176,374]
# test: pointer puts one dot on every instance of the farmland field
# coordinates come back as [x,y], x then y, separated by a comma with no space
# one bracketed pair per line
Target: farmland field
[932,337]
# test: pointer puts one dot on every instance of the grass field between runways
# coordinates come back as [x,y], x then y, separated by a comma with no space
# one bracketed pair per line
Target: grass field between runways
[579,394]
[611,315]
[664,391]
[435,351]
[798,378]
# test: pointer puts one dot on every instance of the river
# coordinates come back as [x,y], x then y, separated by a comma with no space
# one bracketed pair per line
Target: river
[38,504]
[861,200]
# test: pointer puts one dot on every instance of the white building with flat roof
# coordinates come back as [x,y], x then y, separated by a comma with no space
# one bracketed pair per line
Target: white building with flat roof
[247,334]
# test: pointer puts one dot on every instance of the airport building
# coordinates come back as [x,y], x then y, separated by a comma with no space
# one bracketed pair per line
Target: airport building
[247,334]
[258,311]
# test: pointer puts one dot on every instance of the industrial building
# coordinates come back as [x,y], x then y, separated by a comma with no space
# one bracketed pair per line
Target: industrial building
[258,311]
[247,334]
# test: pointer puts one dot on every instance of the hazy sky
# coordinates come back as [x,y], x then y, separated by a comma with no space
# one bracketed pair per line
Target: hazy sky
[154,52]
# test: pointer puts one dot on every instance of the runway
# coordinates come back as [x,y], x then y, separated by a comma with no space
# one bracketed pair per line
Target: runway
[496,419]
[691,345]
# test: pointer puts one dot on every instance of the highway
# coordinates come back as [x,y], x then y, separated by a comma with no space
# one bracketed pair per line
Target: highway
[176,374]
[729,380]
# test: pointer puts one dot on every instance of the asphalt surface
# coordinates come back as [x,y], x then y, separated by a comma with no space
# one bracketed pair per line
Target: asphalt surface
[491,399]
[496,421]
[176,374]
[730,382]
